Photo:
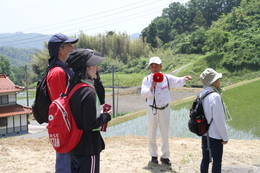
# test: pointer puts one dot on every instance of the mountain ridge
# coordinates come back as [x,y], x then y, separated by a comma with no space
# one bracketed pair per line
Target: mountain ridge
[31,40]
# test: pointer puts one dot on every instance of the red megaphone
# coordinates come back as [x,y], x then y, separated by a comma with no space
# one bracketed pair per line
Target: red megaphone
[158,77]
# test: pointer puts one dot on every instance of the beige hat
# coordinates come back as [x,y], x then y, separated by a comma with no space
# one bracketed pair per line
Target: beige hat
[155,60]
[209,76]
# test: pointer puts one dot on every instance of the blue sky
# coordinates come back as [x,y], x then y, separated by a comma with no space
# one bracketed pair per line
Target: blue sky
[70,17]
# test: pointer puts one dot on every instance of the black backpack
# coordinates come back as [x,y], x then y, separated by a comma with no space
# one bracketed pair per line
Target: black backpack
[198,123]
[40,106]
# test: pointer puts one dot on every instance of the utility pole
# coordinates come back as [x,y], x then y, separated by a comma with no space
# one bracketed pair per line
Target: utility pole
[113,90]
[26,81]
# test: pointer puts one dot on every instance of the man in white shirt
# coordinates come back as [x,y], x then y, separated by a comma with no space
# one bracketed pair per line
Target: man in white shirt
[158,111]
[217,114]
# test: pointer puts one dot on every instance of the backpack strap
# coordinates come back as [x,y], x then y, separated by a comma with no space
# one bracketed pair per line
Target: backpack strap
[56,65]
[208,143]
[76,87]
[206,94]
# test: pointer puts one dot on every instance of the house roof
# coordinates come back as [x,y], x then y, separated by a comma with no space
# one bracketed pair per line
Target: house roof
[11,110]
[7,86]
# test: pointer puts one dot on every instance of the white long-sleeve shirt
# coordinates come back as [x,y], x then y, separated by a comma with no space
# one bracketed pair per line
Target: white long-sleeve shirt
[162,93]
[213,108]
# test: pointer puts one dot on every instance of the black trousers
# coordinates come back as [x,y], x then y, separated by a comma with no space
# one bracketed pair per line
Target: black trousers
[85,164]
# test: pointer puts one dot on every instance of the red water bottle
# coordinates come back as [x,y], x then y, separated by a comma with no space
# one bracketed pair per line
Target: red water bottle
[106,107]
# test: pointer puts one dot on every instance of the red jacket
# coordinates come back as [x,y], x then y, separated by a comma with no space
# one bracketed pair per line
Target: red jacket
[56,82]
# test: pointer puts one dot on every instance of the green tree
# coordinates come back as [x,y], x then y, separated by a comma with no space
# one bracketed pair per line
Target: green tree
[197,40]
[216,39]
[198,21]
[151,35]
[5,68]
[163,29]
[177,13]
[178,25]
[39,61]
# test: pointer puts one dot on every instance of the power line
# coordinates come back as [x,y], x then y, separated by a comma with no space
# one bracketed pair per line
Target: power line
[25,40]
[97,25]
[106,15]
[87,17]
[104,12]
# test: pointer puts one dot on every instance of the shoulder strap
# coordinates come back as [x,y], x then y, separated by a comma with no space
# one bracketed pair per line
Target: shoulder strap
[76,87]
[167,82]
[207,93]
[55,65]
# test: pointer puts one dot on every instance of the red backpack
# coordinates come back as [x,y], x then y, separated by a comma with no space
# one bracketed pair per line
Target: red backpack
[64,134]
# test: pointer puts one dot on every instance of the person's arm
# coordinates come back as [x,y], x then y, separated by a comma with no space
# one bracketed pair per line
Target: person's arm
[146,89]
[56,82]
[178,81]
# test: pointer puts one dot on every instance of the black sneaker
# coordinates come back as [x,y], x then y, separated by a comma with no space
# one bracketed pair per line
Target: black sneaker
[154,160]
[166,161]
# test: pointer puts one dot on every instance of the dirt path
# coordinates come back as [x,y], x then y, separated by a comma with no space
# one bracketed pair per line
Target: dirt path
[129,154]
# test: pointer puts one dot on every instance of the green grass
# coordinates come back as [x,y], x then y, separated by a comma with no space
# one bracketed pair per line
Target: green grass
[123,80]
[243,103]
[31,94]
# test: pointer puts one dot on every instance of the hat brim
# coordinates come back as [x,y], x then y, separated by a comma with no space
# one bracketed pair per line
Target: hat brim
[71,40]
[217,76]
[154,62]
[94,60]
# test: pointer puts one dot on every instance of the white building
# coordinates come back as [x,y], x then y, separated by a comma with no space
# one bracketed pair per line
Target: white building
[13,117]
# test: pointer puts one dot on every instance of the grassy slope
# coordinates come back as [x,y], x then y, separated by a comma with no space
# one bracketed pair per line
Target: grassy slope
[243,102]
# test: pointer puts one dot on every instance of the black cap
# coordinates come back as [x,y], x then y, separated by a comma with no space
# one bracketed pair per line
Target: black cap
[82,57]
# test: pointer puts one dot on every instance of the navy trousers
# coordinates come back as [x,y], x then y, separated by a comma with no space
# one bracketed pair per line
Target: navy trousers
[85,164]
[216,147]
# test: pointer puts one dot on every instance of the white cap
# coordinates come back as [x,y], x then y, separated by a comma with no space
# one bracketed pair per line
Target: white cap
[155,60]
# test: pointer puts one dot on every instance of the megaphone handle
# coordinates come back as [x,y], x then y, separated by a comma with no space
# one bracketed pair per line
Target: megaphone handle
[153,86]
[154,103]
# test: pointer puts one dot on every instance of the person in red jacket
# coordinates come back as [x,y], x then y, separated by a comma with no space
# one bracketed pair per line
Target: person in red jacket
[59,47]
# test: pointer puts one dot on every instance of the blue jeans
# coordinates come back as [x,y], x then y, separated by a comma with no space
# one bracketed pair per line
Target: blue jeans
[216,147]
[62,163]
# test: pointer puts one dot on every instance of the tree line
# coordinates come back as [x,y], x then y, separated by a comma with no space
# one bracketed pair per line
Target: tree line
[226,30]
[179,19]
